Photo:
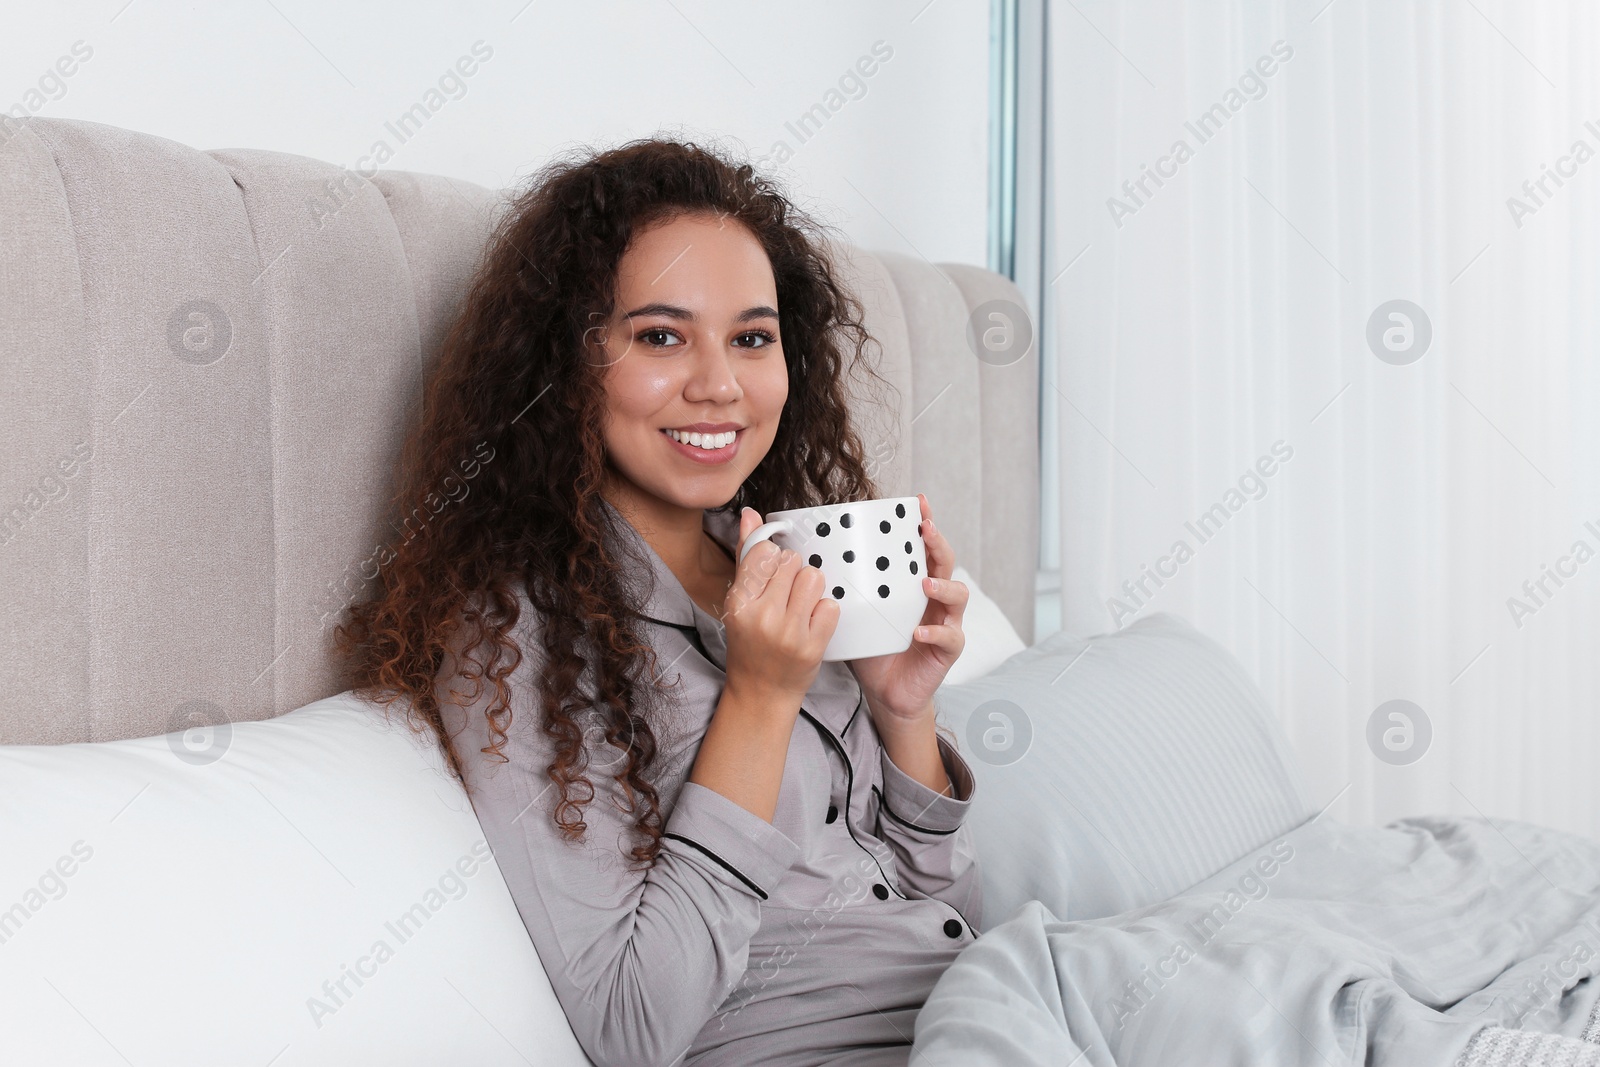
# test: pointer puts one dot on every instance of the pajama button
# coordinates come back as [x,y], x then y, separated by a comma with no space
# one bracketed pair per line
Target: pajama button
[881,891]
[952,928]
[833,813]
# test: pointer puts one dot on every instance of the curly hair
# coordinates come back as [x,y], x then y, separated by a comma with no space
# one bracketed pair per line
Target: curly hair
[534,518]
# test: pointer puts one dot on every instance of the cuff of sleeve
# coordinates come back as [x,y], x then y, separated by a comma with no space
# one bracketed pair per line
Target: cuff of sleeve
[746,846]
[915,806]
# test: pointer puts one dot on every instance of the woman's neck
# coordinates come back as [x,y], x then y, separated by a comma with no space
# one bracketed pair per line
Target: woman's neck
[677,534]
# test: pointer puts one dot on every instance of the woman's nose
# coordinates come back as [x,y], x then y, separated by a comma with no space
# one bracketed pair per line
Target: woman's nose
[713,377]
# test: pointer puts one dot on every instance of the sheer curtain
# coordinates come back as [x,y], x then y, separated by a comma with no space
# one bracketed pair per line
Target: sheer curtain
[1322,302]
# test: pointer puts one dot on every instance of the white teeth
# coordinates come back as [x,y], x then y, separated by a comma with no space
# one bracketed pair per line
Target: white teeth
[711,441]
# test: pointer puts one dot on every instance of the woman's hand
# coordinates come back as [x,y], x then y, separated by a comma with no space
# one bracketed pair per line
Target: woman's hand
[778,618]
[899,686]
[778,623]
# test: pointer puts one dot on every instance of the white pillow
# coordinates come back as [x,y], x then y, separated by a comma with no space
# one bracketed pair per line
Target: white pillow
[198,898]
[1116,770]
[991,639]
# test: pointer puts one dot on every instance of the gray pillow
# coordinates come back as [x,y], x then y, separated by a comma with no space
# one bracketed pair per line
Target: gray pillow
[1117,770]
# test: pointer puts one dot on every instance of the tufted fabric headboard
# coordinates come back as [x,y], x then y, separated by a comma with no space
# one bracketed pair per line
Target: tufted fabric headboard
[209,361]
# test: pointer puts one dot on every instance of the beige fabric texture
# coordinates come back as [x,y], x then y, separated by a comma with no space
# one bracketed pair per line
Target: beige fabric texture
[209,360]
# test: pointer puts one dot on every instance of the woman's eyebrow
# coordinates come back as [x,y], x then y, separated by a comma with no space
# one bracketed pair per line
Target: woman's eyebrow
[673,311]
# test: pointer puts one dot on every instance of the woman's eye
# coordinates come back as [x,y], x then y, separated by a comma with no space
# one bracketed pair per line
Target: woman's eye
[756,339]
[659,338]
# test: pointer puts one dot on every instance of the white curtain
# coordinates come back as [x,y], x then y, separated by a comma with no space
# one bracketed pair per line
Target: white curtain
[1336,157]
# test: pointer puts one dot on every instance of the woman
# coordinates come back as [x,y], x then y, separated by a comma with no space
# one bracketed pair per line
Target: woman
[725,850]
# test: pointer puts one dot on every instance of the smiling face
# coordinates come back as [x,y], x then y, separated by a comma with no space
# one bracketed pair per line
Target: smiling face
[692,347]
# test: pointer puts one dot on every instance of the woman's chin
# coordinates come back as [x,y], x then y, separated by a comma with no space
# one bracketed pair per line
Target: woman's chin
[706,497]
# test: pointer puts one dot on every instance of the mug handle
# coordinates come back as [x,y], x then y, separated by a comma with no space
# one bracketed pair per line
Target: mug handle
[762,533]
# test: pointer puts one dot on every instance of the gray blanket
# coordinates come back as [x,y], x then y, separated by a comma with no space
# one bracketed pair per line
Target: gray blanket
[1336,944]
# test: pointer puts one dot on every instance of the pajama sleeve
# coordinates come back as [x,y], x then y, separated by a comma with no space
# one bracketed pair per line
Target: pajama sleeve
[932,844]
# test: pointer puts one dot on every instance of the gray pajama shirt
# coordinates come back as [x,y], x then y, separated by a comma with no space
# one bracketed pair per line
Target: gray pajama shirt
[813,939]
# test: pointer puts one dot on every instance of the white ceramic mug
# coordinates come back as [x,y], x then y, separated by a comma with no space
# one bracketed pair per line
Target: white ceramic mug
[873,558]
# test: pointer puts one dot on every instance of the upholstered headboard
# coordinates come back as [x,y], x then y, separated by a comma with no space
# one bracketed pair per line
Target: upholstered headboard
[209,360]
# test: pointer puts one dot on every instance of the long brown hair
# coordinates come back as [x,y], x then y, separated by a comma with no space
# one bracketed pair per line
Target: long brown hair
[515,401]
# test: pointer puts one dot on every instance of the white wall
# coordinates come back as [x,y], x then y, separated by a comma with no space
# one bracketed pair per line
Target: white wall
[899,163]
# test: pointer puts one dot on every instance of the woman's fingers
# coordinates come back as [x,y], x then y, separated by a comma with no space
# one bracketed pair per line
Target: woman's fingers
[809,602]
[949,592]
[749,522]
[824,615]
[771,622]
[780,581]
[942,636]
[755,575]
[805,588]
[779,577]
[941,556]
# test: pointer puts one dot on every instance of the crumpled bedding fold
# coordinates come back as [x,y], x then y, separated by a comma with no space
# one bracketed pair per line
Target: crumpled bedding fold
[1332,945]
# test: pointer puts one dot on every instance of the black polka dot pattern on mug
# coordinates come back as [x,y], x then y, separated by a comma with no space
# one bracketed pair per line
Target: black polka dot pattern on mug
[880,553]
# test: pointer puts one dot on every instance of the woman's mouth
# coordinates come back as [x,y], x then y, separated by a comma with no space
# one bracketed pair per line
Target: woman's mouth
[712,447]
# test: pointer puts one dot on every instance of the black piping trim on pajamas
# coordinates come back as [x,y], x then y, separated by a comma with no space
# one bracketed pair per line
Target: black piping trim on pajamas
[693,634]
[849,783]
[757,890]
[957,910]
[862,700]
[883,805]
[688,630]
